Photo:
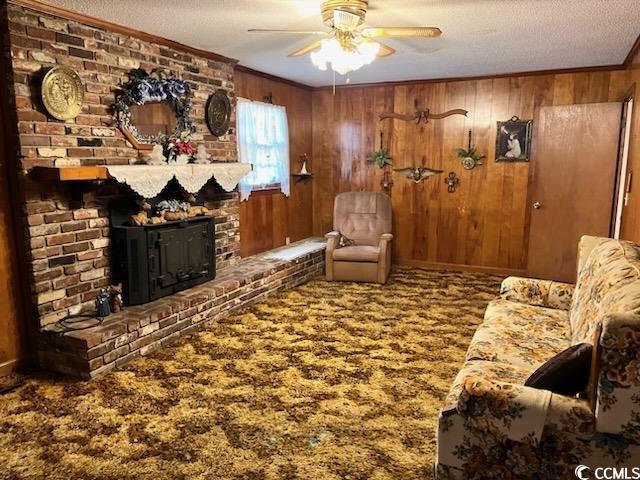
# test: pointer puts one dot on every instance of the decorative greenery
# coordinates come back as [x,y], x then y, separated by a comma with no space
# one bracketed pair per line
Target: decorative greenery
[157,86]
[470,153]
[380,157]
[172,206]
[177,144]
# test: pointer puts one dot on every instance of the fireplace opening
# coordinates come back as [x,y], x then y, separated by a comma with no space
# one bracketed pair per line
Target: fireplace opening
[161,246]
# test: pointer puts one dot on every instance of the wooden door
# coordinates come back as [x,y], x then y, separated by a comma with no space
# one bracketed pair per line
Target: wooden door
[572,184]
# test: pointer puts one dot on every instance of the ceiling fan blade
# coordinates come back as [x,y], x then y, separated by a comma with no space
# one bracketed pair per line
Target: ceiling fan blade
[385,50]
[395,32]
[307,49]
[295,32]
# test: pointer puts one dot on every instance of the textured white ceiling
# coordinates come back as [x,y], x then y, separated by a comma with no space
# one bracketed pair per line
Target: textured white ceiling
[481,37]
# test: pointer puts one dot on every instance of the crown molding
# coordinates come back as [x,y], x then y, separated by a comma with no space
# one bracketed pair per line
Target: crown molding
[274,78]
[632,53]
[67,14]
[560,71]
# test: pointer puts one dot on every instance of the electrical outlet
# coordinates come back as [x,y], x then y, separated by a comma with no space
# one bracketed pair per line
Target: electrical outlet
[287,240]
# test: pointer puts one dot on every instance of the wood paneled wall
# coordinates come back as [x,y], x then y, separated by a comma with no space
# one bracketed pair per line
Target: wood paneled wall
[12,344]
[484,223]
[268,218]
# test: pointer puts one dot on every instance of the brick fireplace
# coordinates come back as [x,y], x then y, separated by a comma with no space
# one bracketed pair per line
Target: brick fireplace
[67,223]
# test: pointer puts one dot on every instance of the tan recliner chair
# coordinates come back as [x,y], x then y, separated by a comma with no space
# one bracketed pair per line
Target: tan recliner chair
[364,219]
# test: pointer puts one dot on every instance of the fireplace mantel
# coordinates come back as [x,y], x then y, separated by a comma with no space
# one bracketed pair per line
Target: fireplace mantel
[149,180]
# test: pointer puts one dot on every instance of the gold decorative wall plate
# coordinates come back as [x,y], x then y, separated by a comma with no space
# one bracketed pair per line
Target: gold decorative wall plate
[62,93]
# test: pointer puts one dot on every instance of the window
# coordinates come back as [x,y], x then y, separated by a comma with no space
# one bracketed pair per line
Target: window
[263,141]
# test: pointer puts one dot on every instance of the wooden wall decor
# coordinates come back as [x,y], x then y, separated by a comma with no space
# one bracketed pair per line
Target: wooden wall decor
[387,181]
[418,174]
[451,181]
[470,158]
[421,115]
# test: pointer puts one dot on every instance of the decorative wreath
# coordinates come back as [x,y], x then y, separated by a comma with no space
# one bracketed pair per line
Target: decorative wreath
[157,86]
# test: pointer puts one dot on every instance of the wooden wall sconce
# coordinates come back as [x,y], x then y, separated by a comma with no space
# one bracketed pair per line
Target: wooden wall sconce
[387,182]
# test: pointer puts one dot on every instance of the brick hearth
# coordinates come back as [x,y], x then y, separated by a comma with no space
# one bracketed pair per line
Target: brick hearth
[139,330]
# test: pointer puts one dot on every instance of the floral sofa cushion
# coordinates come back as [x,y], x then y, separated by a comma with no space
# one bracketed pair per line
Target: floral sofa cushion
[520,334]
[487,369]
[541,293]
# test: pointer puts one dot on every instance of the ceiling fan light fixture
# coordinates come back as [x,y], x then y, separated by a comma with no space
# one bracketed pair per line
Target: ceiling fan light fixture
[343,60]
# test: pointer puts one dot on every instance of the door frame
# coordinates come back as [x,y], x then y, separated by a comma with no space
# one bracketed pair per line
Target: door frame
[623,171]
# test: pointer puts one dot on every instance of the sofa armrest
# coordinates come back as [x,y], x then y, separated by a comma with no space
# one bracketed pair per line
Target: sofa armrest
[543,293]
[487,414]
[502,409]
[617,407]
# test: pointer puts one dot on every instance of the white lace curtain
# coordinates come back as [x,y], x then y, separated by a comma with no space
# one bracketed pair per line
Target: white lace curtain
[263,141]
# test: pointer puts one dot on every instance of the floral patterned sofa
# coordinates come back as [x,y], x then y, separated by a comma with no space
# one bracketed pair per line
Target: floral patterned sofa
[492,426]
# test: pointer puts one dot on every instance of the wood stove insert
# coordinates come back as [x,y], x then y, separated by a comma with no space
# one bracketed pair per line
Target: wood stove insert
[153,261]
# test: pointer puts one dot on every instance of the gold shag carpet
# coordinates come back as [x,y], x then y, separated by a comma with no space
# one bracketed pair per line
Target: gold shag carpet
[325,381]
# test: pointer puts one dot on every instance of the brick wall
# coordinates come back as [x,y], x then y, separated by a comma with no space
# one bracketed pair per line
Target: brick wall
[67,225]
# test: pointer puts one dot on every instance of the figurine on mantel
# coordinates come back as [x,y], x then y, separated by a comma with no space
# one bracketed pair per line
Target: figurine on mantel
[202,157]
[195,210]
[142,217]
[157,156]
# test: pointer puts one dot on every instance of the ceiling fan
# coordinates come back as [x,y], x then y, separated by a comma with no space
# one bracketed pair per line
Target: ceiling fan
[347,46]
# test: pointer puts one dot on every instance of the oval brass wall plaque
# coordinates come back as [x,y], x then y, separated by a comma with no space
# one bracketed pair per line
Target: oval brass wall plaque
[62,93]
[219,113]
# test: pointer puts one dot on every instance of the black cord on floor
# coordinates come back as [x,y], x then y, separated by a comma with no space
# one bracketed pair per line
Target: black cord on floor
[68,322]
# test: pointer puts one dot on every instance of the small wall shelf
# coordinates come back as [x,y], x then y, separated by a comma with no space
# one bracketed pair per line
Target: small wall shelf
[302,176]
